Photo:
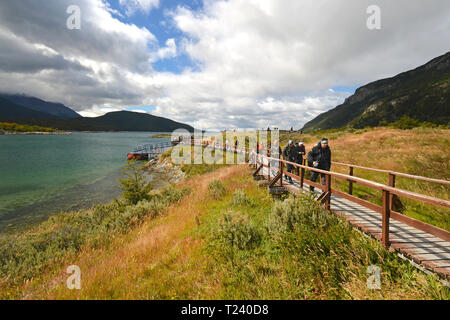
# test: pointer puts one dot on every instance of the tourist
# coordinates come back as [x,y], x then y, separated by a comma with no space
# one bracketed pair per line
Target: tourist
[319,158]
[299,153]
[288,155]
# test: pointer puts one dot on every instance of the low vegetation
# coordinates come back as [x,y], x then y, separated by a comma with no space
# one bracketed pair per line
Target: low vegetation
[15,127]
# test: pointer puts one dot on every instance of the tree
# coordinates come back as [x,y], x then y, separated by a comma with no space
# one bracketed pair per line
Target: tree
[133,185]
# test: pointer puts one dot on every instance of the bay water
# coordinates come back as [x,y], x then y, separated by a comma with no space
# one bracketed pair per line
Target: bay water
[41,175]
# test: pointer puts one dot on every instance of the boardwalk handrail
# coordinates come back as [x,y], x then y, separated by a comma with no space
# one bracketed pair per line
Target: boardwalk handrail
[399,174]
[388,191]
[371,184]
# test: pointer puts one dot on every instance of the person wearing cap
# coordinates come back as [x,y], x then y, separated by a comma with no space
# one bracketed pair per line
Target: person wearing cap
[299,153]
[320,158]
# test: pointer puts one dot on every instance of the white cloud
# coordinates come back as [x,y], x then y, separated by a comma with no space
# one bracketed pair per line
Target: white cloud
[257,62]
[131,6]
[169,51]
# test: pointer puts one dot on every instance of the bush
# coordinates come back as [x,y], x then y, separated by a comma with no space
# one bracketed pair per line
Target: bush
[297,212]
[240,198]
[134,187]
[406,123]
[216,189]
[236,231]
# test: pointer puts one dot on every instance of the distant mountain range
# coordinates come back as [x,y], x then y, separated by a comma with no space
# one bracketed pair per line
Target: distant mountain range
[33,111]
[57,110]
[422,94]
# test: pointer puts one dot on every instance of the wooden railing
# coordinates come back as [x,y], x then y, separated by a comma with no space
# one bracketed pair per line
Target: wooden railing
[387,191]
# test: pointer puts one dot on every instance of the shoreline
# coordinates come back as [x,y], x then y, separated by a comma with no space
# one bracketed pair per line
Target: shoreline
[159,173]
[36,133]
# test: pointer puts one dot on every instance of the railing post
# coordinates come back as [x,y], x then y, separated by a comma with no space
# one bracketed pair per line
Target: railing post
[268,174]
[281,170]
[385,222]
[350,183]
[391,184]
[302,177]
[327,203]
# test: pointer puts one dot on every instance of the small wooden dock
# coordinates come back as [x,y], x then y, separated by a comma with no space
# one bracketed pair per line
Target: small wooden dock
[148,151]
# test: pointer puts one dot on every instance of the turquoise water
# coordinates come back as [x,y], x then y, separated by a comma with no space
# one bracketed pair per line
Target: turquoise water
[41,175]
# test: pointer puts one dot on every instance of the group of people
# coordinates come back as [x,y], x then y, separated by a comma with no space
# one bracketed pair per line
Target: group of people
[319,157]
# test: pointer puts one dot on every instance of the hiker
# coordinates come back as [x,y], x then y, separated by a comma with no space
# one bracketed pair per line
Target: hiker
[288,155]
[236,143]
[299,153]
[320,158]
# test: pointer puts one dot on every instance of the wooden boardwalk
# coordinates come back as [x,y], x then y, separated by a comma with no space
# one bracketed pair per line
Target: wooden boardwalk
[427,250]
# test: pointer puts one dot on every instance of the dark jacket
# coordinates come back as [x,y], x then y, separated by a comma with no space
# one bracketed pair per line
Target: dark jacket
[289,153]
[323,156]
[299,152]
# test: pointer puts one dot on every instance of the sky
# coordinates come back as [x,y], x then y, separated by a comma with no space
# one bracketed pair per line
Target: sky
[213,64]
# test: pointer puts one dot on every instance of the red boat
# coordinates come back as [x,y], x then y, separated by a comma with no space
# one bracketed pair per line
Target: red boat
[138,156]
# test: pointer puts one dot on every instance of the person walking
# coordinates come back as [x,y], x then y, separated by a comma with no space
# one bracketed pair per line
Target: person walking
[300,151]
[319,158]
[289,155]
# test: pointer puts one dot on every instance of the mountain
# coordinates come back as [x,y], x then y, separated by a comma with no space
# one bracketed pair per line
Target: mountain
[134,121]
[33,111]
[10,110]
[57,110]
[422,94]
[113,121]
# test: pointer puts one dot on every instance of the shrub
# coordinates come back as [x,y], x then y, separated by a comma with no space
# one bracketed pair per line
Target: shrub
[406,123]
[297,212]
[134,186]
[240,198]
[236,231]
[216,189]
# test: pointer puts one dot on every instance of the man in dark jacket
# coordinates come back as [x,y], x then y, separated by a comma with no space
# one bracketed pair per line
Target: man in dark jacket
[288,155]
[320,158]
[299,153]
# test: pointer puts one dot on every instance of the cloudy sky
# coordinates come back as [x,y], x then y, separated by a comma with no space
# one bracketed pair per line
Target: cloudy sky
[213,64]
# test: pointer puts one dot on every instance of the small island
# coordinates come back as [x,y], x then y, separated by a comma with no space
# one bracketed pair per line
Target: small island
[161,135]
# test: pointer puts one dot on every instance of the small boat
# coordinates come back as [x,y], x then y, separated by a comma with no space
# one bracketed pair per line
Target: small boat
[138,156]
[176,141]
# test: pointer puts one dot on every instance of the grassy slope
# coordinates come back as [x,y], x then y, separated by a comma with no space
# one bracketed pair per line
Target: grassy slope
[186,253]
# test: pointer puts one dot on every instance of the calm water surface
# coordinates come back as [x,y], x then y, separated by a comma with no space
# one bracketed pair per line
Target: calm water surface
[43,174]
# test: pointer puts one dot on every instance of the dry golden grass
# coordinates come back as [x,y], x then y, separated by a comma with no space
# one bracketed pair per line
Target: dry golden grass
[139,264]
